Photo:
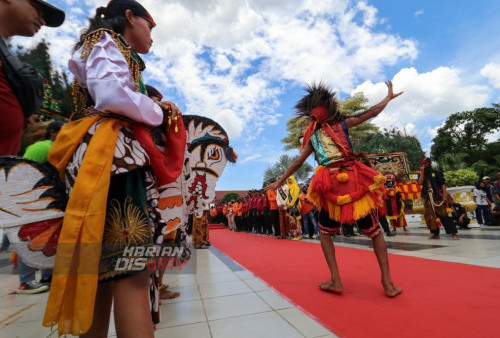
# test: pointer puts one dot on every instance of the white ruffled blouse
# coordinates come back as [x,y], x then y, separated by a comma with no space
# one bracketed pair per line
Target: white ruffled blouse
[105,73]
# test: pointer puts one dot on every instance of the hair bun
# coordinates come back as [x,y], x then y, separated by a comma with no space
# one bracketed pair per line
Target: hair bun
[100,11]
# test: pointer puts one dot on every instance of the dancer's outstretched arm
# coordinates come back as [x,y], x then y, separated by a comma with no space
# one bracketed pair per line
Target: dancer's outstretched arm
[373,111]
[292,168]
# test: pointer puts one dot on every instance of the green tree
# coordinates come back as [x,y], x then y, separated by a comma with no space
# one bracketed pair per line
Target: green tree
[295,127]
[450,162]
[466,132]
[58,98]
[230,197]
[394,140]
[355,105]
[38,58]
[279,168]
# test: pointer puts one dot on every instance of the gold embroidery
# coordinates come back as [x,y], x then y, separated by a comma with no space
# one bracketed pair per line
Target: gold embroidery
[330,147]
[79,93]
[129,228]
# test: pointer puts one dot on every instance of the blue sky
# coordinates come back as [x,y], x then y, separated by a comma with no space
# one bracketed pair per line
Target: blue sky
[243,63]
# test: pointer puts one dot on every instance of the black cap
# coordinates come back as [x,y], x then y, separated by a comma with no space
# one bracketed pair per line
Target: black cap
[118,7]
[53,16]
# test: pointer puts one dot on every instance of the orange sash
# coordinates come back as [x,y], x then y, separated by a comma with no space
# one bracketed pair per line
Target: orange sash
[75,277]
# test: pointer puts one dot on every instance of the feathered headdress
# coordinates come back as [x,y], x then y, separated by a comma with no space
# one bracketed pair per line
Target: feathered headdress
[319,105]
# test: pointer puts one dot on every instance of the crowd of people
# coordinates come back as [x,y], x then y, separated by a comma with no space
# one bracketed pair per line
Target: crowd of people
[287,212]
[282,213]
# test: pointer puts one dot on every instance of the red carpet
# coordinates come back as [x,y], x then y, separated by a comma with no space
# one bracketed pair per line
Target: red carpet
[439,299]
[215,226]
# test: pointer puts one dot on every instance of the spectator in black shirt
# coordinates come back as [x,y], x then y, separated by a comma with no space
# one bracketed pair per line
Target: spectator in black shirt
[433,193]
[459,214]
[495,215]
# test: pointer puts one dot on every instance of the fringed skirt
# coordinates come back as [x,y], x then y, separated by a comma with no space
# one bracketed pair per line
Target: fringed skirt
[348,192]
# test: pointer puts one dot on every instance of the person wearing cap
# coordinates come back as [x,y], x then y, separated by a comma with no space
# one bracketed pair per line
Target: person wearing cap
[433,193]
[483,203]
[113,170]
[19,18]
[490,190]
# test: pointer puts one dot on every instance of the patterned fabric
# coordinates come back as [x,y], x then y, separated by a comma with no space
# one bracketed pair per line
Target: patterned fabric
[329,150]
[369,224]
[127,221]
[430,214]
[200,229]
[129,155]
[284,222]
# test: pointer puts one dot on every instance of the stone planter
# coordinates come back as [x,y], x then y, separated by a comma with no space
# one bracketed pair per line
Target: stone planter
[463,195]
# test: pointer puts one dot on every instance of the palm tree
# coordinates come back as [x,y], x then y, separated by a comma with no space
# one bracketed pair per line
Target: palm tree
[279,168]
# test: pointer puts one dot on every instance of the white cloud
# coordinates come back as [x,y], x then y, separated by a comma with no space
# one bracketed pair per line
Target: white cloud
[432,131]
[419,12]
[234,56]
[427,97]
[492,72]
[232,59]
[251,158]
[493,137]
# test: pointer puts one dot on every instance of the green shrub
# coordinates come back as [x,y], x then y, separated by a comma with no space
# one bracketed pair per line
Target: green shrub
[455,178]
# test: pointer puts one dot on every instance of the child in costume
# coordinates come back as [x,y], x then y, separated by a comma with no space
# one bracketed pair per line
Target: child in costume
[293,203]
[395,206]
[112,170]
[345,190]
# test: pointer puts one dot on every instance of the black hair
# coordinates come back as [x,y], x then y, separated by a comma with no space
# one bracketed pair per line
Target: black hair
[53,126]
[319,95]
[116,24]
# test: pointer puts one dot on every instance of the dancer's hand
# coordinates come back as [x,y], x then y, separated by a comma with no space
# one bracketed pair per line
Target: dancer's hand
[170,109]
[390,93]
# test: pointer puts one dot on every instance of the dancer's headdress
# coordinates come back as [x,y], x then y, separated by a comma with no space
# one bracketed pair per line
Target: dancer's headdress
[319,105]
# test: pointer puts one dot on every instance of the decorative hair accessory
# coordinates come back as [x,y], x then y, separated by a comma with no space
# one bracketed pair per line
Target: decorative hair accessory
[101,10]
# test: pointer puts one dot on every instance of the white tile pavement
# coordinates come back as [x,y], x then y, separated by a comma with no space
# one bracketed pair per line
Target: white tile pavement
[220,301]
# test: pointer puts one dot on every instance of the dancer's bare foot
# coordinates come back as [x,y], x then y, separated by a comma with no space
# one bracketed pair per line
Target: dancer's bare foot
[455,237]
[434,237]
[167,294]
[391,291]
[331,286]
[163,287]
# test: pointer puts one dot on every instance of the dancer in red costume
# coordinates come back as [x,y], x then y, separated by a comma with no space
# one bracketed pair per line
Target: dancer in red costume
[345,190]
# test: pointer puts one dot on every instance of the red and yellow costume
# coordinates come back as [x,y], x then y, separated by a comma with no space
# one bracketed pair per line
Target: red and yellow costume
[394,203]
[344,188]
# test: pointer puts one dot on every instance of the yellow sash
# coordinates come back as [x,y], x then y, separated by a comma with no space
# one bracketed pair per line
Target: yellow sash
[75,277]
